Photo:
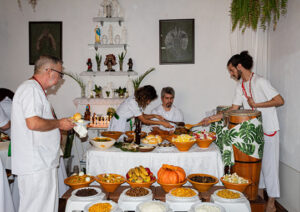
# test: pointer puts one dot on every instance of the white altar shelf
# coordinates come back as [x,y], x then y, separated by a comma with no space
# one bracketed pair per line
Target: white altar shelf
[196,160]
[97,101]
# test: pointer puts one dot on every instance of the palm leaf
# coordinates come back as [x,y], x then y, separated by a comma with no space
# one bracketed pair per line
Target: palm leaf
[76,78]
[136,82]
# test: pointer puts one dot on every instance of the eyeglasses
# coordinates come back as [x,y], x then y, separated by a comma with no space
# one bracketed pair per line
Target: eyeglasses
[60,73]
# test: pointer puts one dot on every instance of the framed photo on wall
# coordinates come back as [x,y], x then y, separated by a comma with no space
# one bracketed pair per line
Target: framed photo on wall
[177,41]
[45,38]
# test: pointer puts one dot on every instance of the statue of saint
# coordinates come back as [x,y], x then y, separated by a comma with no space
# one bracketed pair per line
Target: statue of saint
[130,64]
[110,61]
[89,64]
[97,34]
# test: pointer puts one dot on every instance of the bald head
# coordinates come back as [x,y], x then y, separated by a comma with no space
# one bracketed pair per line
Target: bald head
[45,60]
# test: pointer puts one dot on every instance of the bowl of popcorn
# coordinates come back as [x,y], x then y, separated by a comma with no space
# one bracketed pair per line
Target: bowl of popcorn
[79,180]
[204,138]
[235,182]
[183,142]
[110,182]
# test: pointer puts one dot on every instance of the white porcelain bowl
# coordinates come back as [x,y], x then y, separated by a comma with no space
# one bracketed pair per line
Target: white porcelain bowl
[103,145]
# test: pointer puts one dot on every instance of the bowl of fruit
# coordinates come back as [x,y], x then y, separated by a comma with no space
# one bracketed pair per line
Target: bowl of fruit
[204,138]
[140,177]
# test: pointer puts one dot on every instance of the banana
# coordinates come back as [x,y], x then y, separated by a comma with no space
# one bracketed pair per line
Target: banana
[139,180]
[143,176]
[136,171]
[147,179]
[130,173]
[143,170]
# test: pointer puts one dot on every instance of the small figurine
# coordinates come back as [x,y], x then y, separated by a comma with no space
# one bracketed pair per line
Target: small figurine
[87,114]
[110,61]
[130,64]
[97,34]
[89,64]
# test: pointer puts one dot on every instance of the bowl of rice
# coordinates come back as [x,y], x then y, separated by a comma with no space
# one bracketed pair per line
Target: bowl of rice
[153,206]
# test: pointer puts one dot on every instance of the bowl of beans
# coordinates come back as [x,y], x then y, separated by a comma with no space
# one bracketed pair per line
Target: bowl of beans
[202,182]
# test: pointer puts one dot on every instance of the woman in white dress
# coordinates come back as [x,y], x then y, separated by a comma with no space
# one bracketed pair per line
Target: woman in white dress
[133,107]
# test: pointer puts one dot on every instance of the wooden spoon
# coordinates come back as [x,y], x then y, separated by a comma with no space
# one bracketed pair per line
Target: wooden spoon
[189,126]
[179,123]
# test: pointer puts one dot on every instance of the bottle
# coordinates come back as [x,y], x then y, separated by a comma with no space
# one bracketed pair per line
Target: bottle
[137,131]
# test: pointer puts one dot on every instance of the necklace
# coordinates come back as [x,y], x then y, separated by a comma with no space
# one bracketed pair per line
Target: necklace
[244,90]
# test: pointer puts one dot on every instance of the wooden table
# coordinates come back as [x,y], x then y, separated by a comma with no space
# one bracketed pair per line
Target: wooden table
[159,194]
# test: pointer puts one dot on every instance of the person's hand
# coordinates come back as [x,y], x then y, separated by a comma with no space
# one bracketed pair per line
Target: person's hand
[206,121]
[166,124]
[251,102]
[66,124]
[159,117]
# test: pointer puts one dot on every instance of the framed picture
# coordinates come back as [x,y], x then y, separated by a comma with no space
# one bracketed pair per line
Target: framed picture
[45,38]
[176,41]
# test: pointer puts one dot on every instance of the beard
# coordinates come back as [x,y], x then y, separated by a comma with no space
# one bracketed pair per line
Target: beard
[169,105]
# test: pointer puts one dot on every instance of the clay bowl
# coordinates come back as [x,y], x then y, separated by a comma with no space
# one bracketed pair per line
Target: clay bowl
[109,187]
[76,185]
[130,134]
[184,146]
[112,134]
[144,185]
[169,187]
[236,186]
[204,143]
[202,187]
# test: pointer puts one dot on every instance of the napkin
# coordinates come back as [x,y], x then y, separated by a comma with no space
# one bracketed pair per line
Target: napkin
[81,130]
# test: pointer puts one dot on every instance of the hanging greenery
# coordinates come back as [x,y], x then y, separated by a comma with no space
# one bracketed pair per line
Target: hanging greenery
[248,13]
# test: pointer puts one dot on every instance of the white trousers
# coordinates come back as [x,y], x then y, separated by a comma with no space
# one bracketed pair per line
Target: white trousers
[269,175]
[39,191]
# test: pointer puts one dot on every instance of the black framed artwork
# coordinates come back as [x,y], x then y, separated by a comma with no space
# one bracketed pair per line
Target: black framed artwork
[177,41]
[45,38]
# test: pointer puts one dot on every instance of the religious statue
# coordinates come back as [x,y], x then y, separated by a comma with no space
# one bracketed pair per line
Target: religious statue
[97,34]
[89,64]
[130,64]
[110,61]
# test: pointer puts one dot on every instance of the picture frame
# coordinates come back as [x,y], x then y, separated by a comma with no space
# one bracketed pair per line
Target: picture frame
[177,41]
[45,38]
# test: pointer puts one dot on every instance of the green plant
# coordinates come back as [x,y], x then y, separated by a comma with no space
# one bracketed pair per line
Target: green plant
[121,91]
[98,61]
[122,56]
[97,89]
[248,13]
[78,80]
[136,82]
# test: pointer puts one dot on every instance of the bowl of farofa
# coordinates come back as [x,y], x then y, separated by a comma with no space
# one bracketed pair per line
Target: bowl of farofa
[110,182]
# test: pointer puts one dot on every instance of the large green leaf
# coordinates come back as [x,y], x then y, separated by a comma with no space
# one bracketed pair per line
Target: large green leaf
[229,136]
[259,134]
[261,151]
[248,149]
[247,132]
[227,158]
[213,127]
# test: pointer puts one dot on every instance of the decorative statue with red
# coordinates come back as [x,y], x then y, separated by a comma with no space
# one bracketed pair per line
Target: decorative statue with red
[110,61]
[89,64]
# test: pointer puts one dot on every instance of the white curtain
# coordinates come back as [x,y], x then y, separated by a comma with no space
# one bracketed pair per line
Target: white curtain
[256,43]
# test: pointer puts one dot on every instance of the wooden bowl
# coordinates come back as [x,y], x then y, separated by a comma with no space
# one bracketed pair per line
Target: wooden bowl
[184,146]
[130,134]
[146,148]
[236,186]
[202,187]
[169,187]
[144,185]
[109,187]
[112,134]
[204,143]
[76,185]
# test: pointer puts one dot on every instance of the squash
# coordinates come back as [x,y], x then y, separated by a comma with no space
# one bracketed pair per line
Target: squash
[169,174]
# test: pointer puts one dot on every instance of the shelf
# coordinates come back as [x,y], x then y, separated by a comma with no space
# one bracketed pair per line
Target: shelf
[99,45]
[98,101]
[113,19]
[103,73]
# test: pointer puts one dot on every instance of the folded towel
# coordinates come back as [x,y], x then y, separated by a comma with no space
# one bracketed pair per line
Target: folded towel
[81,130]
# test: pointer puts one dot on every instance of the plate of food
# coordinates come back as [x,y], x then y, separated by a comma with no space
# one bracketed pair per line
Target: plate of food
[143,148]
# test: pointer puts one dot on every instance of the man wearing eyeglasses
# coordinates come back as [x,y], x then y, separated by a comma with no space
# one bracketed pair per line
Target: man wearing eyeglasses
[35,138]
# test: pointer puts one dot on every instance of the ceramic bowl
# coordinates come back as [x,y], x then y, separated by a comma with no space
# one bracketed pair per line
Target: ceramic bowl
[184,146]
[75,185]
[103,145]
[235,186]
[169,187]
[204,143]
[112,134]
[144,185]
[202,187]
[107,186]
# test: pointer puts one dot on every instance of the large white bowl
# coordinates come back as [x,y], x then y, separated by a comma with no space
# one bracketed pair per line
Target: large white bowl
[103,145]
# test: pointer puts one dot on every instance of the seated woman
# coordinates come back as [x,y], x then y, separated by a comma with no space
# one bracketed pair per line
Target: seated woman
[6,97]
[133,107]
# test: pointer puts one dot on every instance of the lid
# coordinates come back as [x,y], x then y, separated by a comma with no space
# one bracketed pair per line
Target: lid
[244,113]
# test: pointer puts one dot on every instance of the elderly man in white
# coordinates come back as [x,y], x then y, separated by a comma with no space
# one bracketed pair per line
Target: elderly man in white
[167,110]
[35,138]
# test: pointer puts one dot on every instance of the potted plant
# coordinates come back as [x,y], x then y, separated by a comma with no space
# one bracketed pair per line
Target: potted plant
[248,13]
[121,92]
[79,81]
[97,90]
[98,61]
[121,59]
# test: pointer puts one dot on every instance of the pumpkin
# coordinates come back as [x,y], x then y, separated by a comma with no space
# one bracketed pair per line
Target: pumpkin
[169,174]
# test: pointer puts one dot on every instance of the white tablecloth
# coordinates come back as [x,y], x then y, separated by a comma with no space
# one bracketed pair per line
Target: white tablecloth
[6,202]
[196,160]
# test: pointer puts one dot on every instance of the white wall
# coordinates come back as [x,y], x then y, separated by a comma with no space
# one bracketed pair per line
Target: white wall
[284,49]
[199,87]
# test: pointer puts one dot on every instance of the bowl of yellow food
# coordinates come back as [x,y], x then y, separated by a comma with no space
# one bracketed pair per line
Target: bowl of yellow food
[235,182]
[183,142]
[110,182]
[102,143]
[101,206]
[79,181]
[152,140]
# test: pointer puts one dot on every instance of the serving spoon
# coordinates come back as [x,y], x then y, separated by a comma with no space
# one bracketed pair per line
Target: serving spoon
[190,126]
[178,123]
